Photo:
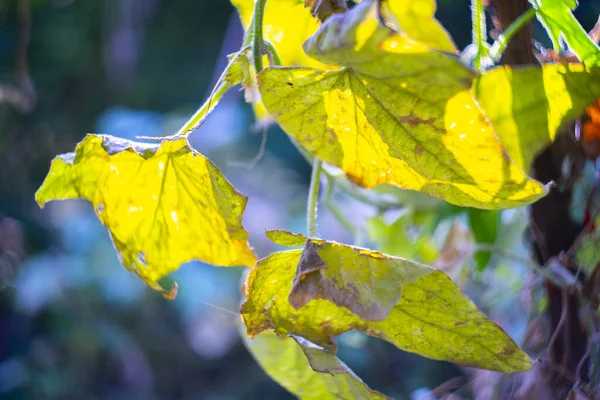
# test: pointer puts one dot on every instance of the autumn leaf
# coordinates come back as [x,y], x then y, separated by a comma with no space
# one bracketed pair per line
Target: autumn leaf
[562,26]
[324,9]
[164,205]
[526,106]
[398,113]
[306,370]
[432,318]
[367,283]
[416,19]
[286,238]
[286,37]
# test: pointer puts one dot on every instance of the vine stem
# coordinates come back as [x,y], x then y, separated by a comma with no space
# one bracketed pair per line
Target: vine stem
[258,43]
[313,197]
[198,118]
[479,33]
[500,44]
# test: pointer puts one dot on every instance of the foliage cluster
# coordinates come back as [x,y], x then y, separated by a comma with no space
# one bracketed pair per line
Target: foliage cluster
[379,98]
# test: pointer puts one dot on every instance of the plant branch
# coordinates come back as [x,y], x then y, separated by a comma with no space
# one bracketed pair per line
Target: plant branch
[479,31]
[258,44]
[313,197]
[200,115]
[502,42]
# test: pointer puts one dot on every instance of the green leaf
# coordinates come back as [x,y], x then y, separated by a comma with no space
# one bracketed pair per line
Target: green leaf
[399,113]
[484,225]
[432,318]
[526,106]
[306,370]
[164,205]
[561,25]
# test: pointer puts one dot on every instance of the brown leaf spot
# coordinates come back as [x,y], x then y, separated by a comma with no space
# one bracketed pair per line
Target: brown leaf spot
[310,284]
[413,120]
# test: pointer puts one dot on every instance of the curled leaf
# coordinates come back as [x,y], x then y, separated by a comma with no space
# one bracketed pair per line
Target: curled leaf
[365,282]
[324,9]
[432,318]
[398,113]
[307,370]
[164,205]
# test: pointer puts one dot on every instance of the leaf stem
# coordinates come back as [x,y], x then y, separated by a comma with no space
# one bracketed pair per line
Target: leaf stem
[500,44]
[313,197]
[196,120]
[335,210]
[273,56]
[258,44]
[479,31]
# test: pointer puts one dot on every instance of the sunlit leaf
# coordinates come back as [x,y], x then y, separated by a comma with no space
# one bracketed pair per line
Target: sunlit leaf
[526,106]
[285,35]
[563,27]
[433,318]
[416,18]
[164,205]
[365,282]
[306,370]
[286,238]
[399,113]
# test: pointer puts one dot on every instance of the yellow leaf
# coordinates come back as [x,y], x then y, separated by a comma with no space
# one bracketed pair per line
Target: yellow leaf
[285,35]
[527,105]
[164,205]
[432,317]
[306,370]
[416,18]
[399,113]
[286,238]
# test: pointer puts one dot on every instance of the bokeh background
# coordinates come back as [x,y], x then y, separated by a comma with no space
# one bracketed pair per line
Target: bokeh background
[73,323]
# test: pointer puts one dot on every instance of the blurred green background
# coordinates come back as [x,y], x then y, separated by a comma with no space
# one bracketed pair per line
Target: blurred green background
[73,323]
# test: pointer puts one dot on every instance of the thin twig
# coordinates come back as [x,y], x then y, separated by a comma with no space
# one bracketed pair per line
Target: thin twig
[313,197]
[561,321]
[502,42]
[261,152]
